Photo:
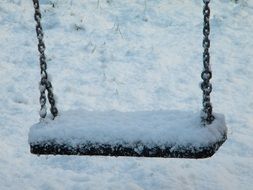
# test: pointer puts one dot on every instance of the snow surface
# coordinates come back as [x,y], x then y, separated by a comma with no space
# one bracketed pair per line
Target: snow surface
[153,128]
[129,55]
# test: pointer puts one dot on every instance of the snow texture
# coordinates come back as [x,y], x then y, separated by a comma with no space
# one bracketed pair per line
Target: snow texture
[153,128]
[127,55]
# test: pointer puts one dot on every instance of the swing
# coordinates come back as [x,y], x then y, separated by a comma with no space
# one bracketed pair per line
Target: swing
[174,134]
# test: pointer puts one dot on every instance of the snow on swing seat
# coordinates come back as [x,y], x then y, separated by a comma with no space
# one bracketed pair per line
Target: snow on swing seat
[141,134]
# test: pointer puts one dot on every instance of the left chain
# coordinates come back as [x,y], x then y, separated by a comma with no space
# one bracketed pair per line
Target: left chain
[45,84]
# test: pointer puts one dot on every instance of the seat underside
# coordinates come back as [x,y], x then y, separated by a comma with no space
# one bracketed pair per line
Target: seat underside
[96,149]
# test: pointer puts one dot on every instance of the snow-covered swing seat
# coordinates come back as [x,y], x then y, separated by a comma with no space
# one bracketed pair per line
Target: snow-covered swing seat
[174,133]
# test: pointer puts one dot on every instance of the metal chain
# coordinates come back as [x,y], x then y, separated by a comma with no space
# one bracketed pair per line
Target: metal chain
[45,84]
[206,75]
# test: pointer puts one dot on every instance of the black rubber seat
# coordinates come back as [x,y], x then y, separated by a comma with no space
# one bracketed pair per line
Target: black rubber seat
[140,134]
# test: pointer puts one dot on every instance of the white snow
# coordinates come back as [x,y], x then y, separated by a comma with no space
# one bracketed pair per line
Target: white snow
[129,55]
[153,128]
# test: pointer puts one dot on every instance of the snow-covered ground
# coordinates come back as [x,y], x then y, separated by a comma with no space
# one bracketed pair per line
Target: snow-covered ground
[129,55]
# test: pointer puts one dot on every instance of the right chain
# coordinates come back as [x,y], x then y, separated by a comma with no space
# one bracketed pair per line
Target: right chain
[45,84]
[206,75]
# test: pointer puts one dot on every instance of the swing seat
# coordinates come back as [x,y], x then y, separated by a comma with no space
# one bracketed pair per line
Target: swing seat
[172,134]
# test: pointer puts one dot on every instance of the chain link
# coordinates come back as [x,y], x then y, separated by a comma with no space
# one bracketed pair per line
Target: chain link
[206,75]
[45,84]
